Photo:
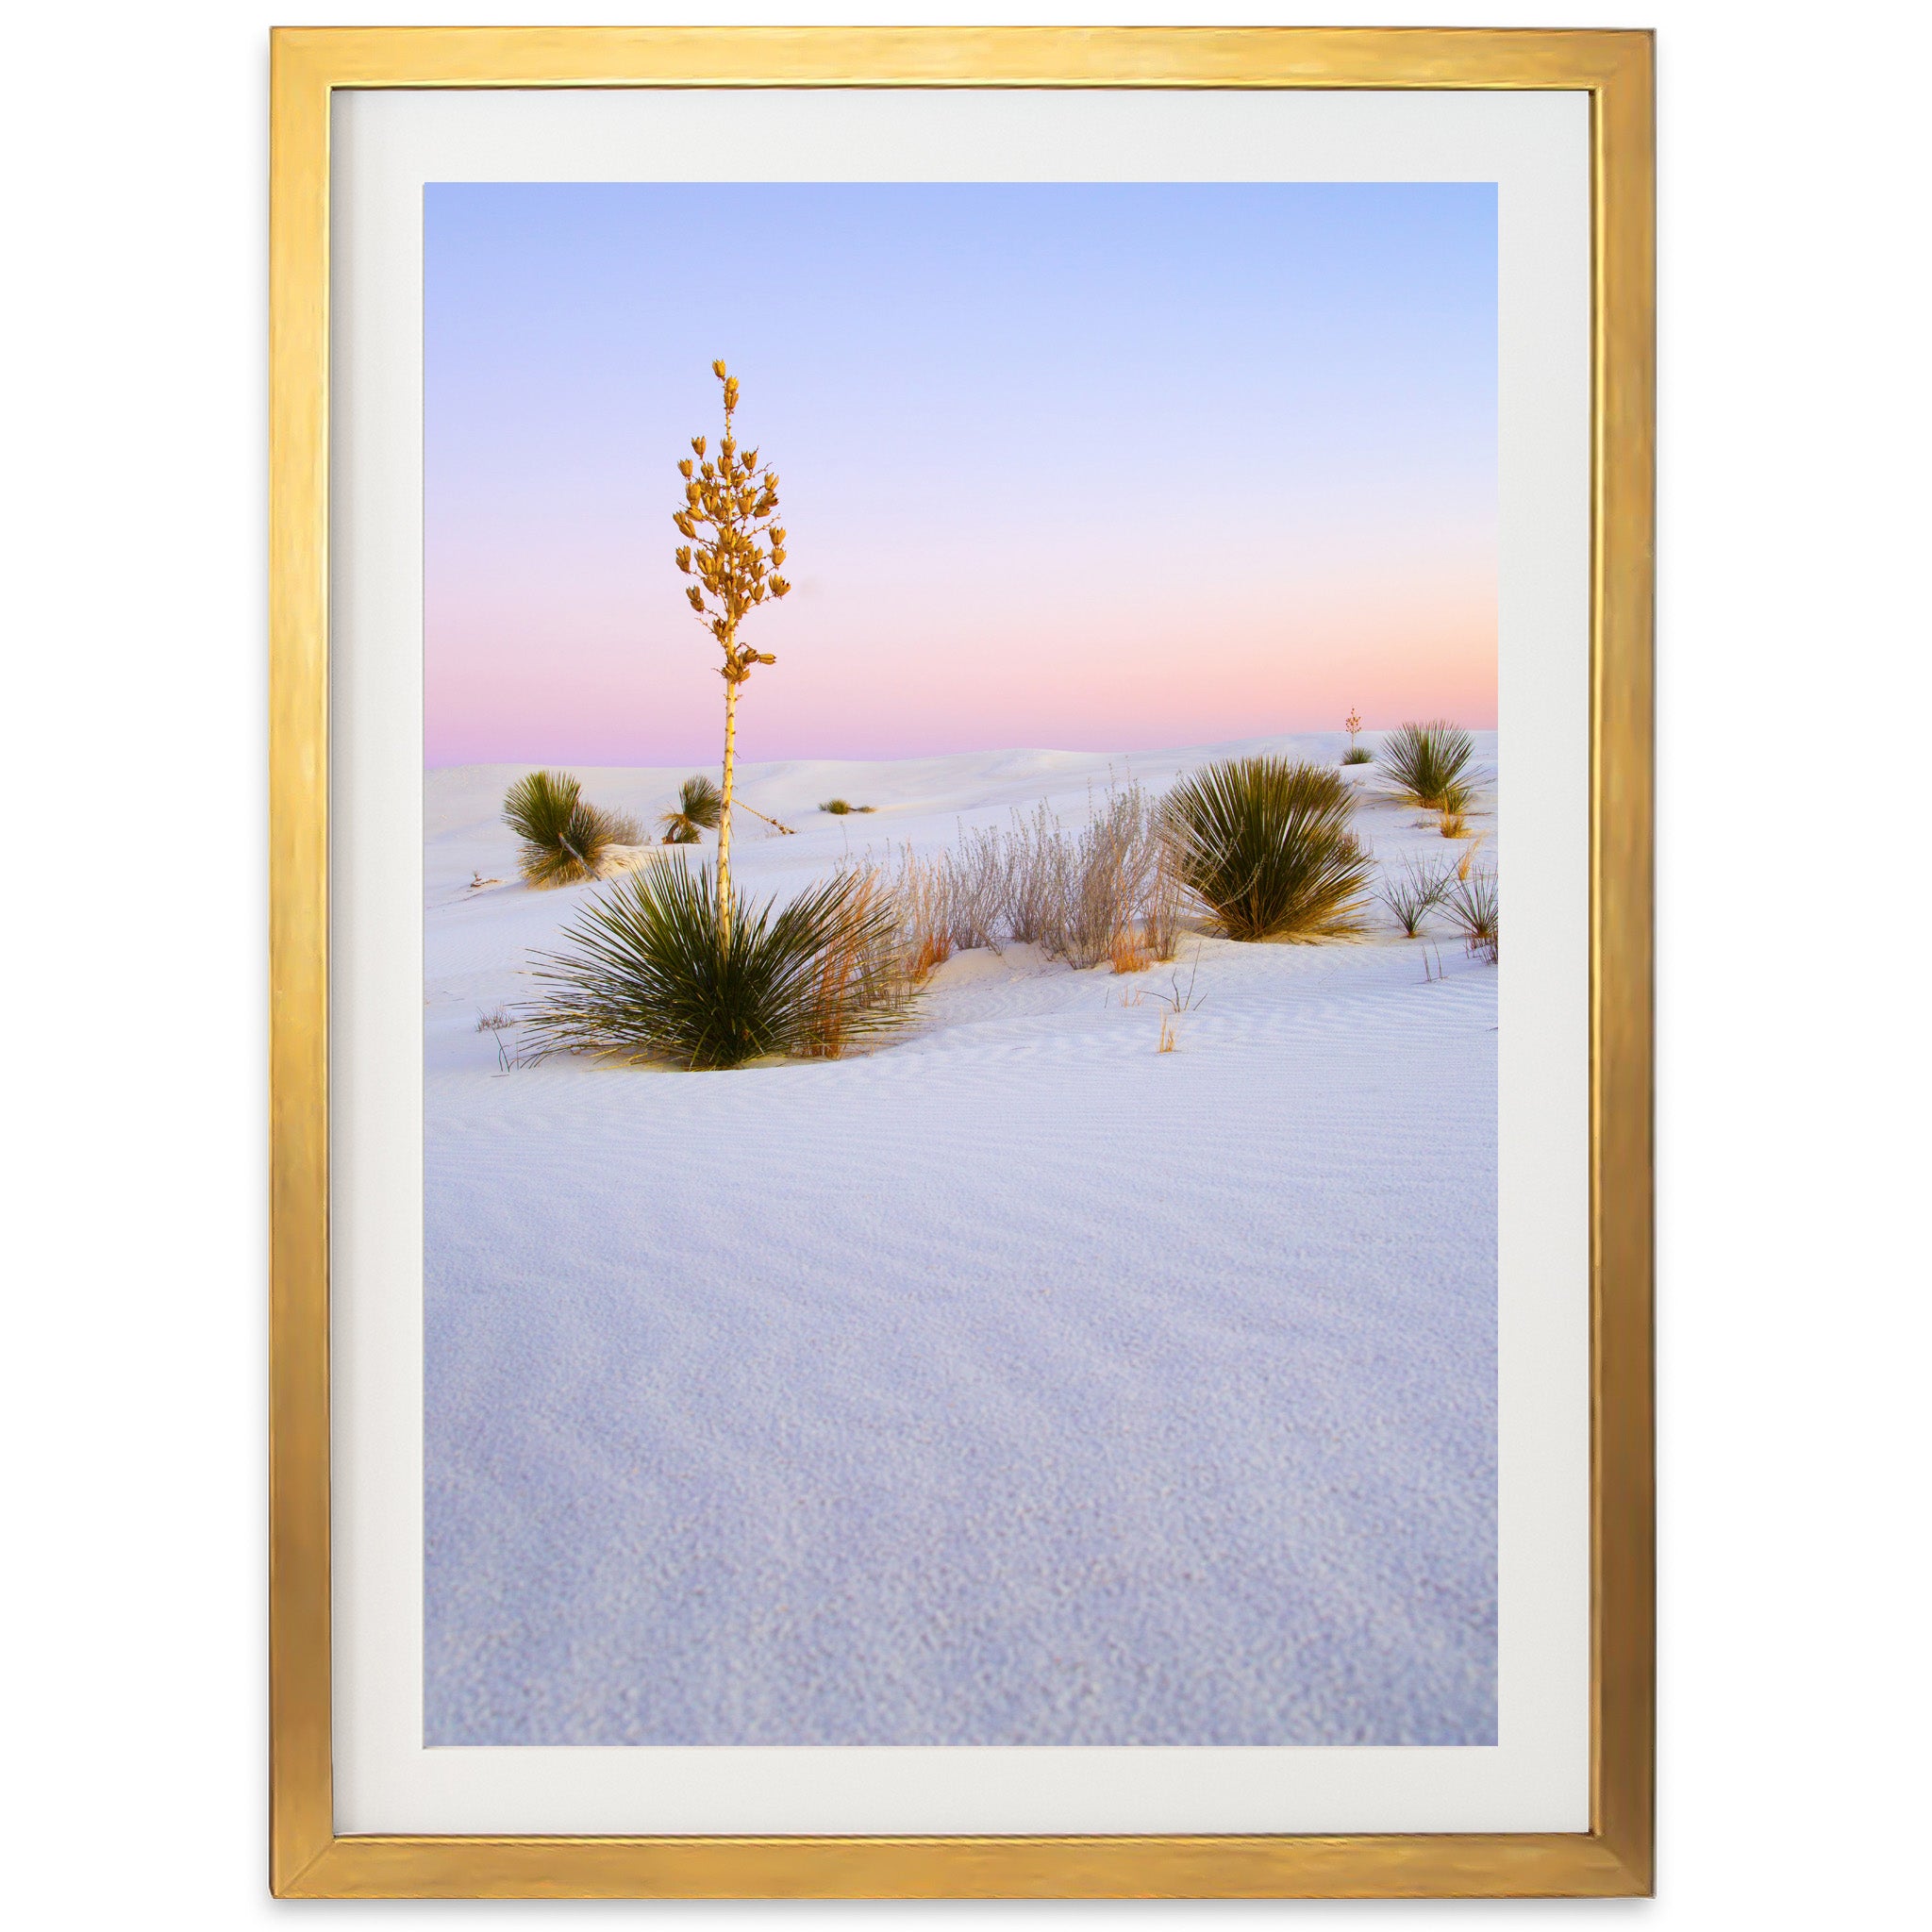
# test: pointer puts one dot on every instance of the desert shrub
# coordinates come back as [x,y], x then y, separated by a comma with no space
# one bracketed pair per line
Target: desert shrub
[1264,843]
[1357,755]
[623,828]
[975,890]
[699,807]
[1474,909]
[1081,898]
[1425,762]
[1161,915]
[838,806]
[564,836]
[1105,880]
[645,974]
[1412,893]
[1039,867]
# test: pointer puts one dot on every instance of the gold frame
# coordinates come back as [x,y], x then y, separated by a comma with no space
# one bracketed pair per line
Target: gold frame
[307,1858]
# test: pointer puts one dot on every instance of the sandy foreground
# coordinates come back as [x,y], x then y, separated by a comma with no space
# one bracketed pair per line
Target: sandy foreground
[1013,1383]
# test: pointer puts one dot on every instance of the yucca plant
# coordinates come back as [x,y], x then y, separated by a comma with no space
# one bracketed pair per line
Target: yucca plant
[1474,909]
[648,974]
[733,546]
[564,836]
[1424,762]
[1355,754]
[1414,891]
[1264,843]
[699,803]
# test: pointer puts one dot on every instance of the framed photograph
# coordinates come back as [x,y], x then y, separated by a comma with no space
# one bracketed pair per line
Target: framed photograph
[922,1247]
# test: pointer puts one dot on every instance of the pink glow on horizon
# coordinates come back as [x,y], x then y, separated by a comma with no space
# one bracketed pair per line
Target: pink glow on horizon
[971,681]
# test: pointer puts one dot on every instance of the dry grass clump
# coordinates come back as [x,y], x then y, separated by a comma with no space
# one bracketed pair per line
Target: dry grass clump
[922,895]
[1474,909]
[564,836]
[1109,894]
[857,987]
[699,807]
[1264,844]
[1412,893]
[649,973]
[839,806]
[1427,763]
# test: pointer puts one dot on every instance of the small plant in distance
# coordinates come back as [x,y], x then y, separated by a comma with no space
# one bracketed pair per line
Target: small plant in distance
[1475,912]
[733,546]
[1426,761]
[648,974]
[1177,1003]
[839,806]
[1355,754]
[699,805]
[1412,893]
[1264,843]
[564,836]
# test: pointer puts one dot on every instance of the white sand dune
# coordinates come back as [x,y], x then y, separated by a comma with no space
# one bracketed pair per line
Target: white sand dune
[1011,1383]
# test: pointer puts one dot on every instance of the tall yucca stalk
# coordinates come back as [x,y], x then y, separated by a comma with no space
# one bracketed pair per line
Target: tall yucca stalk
[733,546]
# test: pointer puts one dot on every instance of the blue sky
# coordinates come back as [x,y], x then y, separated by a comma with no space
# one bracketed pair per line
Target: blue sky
[1081,465]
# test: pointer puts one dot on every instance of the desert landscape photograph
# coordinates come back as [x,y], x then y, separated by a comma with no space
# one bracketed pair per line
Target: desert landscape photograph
[962,854]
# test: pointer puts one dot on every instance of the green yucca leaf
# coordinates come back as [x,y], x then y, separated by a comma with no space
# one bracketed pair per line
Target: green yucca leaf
[563,836]
[645,975]
[1264,844]
[1426,763]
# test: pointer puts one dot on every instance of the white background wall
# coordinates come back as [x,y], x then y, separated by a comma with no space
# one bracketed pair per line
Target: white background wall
[1794,958]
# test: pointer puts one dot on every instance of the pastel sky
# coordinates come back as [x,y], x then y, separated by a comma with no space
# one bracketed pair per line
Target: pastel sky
[1088,467]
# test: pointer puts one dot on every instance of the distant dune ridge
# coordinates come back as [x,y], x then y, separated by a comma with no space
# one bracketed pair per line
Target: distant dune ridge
[1011,1383]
